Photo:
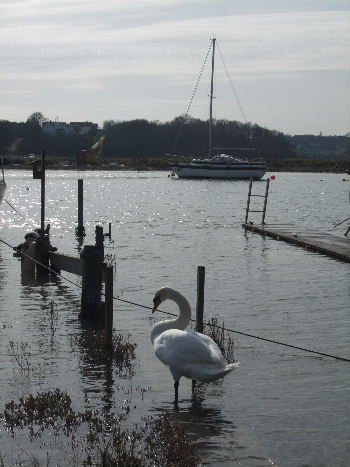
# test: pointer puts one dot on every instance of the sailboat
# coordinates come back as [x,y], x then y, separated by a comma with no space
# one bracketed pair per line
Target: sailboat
[2,182]
[219,166]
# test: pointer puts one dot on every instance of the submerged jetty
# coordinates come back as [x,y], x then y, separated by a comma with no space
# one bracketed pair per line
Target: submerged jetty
[338,247]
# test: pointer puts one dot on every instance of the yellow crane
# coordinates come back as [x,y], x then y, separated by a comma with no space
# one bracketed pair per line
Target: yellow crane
[93,155]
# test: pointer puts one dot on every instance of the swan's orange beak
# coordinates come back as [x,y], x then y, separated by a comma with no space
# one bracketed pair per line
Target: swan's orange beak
[156,303]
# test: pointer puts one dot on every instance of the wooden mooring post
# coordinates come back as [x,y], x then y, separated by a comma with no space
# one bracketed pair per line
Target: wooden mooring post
[109,234]
[93,256]
[80,230]
[108,279]
[200,298]
[43,242]
[43,168]
[91,267]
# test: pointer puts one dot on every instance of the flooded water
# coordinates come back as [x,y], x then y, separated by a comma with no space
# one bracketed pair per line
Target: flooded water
[282,406]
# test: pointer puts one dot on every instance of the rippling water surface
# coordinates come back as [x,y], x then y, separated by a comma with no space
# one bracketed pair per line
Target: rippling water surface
[282,406]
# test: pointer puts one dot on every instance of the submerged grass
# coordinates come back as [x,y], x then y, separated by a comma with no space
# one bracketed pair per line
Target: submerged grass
[98,438]
[92,342]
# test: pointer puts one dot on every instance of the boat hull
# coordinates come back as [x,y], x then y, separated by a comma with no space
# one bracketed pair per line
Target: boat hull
[230,173]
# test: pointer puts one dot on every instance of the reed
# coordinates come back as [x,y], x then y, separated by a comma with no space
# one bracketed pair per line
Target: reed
[222,338]
[53,317]
[122,353]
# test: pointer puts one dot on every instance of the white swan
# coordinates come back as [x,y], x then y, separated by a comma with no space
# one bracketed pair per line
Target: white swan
[186,353]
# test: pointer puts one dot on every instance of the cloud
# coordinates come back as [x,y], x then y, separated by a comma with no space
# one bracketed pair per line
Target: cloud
[301,40]
[158,46]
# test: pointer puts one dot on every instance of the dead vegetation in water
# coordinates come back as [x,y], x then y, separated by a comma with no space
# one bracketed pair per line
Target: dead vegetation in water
[98,438]
[221,337]
[94,348]
[167,443]
[24,365]
[53,314]
[39,412]
[20,353]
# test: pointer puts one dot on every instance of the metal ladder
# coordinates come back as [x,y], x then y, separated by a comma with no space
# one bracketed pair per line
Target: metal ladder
[248,210]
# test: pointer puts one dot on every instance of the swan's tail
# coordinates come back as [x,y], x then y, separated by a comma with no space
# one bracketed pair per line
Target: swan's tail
[233,366]
[213,376]
[230,367]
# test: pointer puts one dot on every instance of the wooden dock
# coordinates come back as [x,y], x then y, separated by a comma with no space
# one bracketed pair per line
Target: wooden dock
[331,245]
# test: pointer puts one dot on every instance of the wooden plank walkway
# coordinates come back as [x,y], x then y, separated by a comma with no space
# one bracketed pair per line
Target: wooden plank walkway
[331,245]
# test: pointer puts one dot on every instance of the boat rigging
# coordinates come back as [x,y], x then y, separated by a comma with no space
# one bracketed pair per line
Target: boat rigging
[221,165]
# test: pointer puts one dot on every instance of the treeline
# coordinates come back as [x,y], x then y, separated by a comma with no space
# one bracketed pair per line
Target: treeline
[142,138]
[189,138]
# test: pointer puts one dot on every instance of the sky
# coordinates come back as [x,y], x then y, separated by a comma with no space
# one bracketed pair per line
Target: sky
[285,61]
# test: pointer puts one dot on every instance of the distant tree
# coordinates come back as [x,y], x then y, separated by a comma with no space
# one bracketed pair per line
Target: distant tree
[36,118]
[32,134]
[8,135]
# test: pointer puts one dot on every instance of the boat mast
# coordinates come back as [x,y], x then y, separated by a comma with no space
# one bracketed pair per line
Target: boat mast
[211,98]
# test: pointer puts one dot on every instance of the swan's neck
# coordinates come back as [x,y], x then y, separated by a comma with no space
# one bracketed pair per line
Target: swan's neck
[181,322]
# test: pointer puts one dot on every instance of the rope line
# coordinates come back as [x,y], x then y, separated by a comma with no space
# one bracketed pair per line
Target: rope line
[234,331]
[15,209]
[246,334]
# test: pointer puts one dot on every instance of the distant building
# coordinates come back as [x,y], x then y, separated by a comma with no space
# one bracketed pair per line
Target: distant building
[83,127]
[56,128]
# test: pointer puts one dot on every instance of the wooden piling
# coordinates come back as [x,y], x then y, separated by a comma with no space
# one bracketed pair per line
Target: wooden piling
[99,236]
[108,277]
[91,282]
[80,230]
[42,254]
[200,298]
[43,242]
[109,233]
[27,264]
[42,224]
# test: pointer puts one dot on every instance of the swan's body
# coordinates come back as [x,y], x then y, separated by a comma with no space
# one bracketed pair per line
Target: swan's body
[186,353]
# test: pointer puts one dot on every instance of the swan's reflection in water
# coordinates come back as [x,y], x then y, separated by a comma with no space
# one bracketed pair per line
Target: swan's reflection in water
[199,419]
[219,439]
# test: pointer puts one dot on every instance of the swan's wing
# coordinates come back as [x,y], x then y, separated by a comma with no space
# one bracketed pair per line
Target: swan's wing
[188,346]
[189,354]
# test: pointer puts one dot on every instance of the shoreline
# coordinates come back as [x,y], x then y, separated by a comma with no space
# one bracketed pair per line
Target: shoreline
[335,170]
[340,166]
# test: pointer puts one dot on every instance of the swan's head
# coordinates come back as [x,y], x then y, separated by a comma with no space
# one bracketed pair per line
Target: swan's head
[160,296]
